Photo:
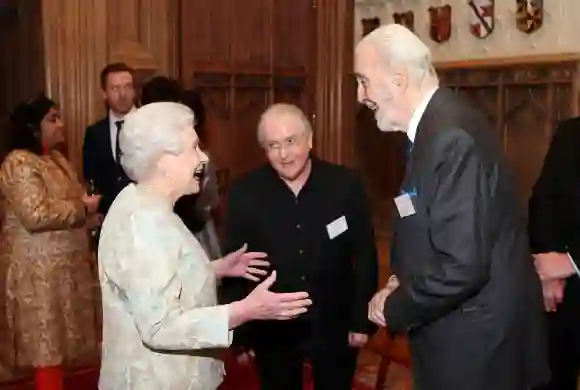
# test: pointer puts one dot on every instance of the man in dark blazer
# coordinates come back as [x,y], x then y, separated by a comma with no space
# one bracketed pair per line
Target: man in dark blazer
[101,165]
[465,288]
[313,220]
[554,227]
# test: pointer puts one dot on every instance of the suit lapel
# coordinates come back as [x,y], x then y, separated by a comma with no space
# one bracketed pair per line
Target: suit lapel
[427,125]
[105,132]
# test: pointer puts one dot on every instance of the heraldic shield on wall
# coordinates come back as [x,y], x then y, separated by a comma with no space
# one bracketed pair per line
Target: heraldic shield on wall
[406,19]
[440,28]
[483,18]
[369,25]
[529,15]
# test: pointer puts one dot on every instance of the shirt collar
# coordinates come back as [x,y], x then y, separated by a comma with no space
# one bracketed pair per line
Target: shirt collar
[114,118]
[417,114]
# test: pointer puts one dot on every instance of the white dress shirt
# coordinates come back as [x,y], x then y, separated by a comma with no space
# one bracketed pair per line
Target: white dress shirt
[418,114]
[113,119]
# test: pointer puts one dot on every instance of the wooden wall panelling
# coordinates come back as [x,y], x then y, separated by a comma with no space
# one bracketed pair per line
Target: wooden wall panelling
[75,51]
[21,59]
[335,87]
[80,38]
[244,56]
[380,158]
[524,98]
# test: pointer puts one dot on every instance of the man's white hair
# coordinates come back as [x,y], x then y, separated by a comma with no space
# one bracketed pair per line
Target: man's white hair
[148,133]
[282,110]
[398,46]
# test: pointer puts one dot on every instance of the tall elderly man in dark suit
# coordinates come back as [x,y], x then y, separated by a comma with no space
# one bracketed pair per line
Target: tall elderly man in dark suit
[465,288]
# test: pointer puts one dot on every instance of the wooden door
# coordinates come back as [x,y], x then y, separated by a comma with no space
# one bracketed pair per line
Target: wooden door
[244,56]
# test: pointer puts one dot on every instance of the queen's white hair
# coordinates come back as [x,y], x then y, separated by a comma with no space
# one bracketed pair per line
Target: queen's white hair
[148,133]
[282,110]
[397,46]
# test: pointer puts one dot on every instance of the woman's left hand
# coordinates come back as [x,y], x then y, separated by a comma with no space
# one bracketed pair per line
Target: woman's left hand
[242,264]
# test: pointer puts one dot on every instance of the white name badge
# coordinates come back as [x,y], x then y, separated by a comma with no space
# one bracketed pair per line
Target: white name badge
[337,227]
[404,205]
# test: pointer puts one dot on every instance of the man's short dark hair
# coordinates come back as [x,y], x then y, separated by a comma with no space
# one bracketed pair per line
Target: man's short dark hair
[116,67]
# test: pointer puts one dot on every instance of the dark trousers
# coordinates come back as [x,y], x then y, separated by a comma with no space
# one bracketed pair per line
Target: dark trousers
[280,363]
[564,340]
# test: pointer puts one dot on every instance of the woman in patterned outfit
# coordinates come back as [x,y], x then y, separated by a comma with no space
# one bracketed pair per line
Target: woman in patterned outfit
[47,315]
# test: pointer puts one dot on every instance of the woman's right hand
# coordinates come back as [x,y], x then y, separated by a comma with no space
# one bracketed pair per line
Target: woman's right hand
[92,203]
[263,304]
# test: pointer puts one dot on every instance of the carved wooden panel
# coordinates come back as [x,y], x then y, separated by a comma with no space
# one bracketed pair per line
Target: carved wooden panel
[244,56]
[524,98]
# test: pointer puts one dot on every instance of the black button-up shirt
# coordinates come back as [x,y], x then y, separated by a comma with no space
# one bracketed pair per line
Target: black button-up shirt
[340,273]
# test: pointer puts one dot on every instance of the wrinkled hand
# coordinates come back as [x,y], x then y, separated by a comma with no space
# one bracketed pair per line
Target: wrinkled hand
[553,265]
[92,203]
[357,340]
[377,304]
[242,264]
[262,304]
[553,291]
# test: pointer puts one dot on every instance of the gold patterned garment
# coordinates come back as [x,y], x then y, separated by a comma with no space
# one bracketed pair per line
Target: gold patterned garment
[47,316]
[161,325]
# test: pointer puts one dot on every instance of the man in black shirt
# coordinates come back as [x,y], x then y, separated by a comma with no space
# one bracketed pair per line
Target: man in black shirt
[312,219]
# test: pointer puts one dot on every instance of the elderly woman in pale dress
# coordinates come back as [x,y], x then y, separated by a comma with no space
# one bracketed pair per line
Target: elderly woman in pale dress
[161,321]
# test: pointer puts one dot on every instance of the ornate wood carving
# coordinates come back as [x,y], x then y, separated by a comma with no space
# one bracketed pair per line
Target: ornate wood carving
[524,99]
[248,57]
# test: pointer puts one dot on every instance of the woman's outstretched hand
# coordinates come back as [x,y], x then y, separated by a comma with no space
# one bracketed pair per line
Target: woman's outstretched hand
[263,304]
[242,264]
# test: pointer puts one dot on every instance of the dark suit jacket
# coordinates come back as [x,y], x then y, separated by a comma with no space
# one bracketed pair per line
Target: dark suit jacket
[469,296]
[100,166]
[554,207]
[341,274]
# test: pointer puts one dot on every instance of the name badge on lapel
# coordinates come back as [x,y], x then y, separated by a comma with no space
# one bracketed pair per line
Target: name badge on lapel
[405,205]
[337,227]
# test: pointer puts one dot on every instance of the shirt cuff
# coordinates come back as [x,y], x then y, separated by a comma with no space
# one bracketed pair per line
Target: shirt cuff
[574,265]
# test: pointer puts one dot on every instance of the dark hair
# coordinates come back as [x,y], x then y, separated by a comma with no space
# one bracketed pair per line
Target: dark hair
[116,67]
[25,124]
[192,99]
[161,89]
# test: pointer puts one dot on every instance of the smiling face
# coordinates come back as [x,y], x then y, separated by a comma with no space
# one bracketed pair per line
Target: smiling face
[185,170]
[380,89]
[51,128]
[287,142]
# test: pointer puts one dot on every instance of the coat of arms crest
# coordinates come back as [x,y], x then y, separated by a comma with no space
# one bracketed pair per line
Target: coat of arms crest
[370,24]
[483,20]
[529,15]
[406,19]
[440,29]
